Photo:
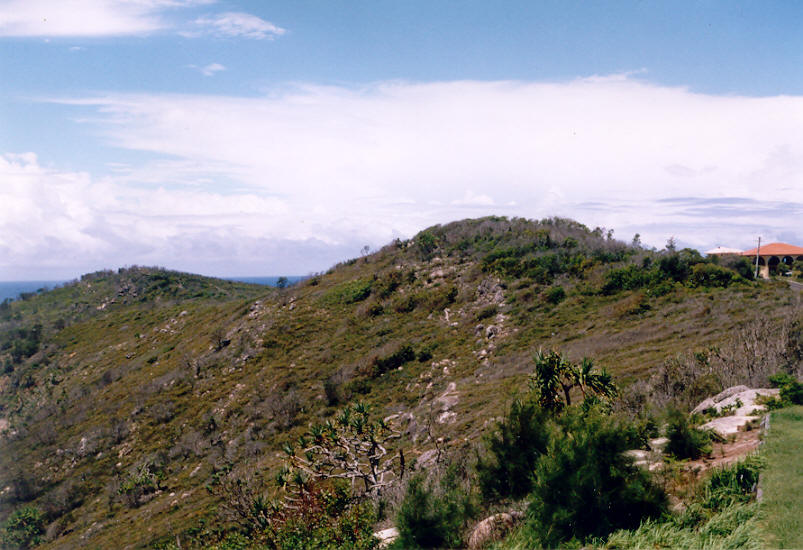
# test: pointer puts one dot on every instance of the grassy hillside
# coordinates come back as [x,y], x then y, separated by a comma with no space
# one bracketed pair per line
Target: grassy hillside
[783,480]
[126,393]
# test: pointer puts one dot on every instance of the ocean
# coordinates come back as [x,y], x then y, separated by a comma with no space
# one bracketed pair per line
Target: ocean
[267,281]
[13,289]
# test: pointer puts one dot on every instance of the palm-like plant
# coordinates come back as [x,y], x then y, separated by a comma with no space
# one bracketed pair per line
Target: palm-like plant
[555,374]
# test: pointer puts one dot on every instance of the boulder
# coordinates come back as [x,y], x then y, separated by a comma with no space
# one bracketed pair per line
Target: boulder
[743,401]
[492,529]
[387,536]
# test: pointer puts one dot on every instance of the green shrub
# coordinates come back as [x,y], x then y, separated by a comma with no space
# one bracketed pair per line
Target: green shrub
[555,295]
[388,284]
[791,390]
[438,298]
[710,275]
[395,360]
[322,519]
[433,517]
[719,516]
[511,451]
[625,278]
[730,485]
[405,304]
[685,441]
[741,265]
[585,486]
[349,292]
[24,528]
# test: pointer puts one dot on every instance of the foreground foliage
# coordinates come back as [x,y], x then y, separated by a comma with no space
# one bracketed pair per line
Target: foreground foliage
[782,480]
[585,487]
[721,516]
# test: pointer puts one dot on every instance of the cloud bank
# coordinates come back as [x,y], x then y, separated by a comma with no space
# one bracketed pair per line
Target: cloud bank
[235,24]
[99,18]
[311,167]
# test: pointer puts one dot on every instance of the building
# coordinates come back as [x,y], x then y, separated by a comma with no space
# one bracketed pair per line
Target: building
[723,251]
[770,256]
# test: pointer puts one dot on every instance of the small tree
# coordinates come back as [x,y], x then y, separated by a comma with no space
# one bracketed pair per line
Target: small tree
[24,528]
[585,486]
[555,376]
[351,447]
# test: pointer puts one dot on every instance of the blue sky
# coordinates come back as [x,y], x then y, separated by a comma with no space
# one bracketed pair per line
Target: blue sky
[256,138]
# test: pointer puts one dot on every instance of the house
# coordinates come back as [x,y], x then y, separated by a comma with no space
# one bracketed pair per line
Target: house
[770,256]
[723,251]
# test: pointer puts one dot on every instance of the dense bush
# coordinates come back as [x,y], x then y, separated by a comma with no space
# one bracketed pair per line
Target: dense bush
[710,275]
[392,361]
[349,292]
[585,486]
[24,528]
[741,265]
[685,441]
[719,516]
[506,468]
[791,390]
[322,519]
[555,294]
[433,517]
[625,278]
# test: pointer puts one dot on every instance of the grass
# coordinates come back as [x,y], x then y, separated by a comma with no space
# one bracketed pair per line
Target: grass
[722,515]
[121,350]
[782,481]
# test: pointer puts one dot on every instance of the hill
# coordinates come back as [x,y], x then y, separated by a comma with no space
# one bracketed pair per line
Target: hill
[127,393]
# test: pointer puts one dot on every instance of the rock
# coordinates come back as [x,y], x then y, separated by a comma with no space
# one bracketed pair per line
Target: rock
[448,398]
[742,400]
[491,529]
[387,536]
[724,394]
[490,291]
[447,417]
[491,331]
[427,459]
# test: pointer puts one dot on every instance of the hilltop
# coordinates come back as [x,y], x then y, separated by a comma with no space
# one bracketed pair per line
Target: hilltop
[160,381]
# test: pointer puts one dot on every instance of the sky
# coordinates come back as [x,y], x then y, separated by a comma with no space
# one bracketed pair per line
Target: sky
[250,138]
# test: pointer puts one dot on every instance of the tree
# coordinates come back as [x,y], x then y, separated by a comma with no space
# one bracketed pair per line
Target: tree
[282,282]
[585,486]
[351,447]
[554,375]
[24,528]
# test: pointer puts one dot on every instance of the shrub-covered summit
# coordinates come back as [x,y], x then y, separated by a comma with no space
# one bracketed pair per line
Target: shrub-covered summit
[127,397]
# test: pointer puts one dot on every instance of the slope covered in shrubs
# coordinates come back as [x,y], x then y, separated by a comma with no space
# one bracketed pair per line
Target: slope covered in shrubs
[126,394]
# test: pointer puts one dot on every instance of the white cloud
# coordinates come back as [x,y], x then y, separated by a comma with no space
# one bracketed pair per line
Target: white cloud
[235,24]
[349,167]
[90,18]
[470,198]
[211,69]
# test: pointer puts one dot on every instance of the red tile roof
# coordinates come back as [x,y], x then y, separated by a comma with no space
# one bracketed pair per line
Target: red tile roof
[776,249]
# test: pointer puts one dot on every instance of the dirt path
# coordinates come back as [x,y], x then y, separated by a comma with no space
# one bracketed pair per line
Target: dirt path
[722,454]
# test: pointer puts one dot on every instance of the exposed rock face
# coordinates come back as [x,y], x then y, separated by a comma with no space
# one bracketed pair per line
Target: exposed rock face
[745,410]
[446,401]
[491,529]
[490,291]
[387,536]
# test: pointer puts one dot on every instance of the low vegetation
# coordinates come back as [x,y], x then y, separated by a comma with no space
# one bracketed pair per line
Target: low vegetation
[150,408]
[782,481]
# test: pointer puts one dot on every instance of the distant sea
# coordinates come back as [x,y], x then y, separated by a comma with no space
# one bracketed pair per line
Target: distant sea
[267,281]
[13,289]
